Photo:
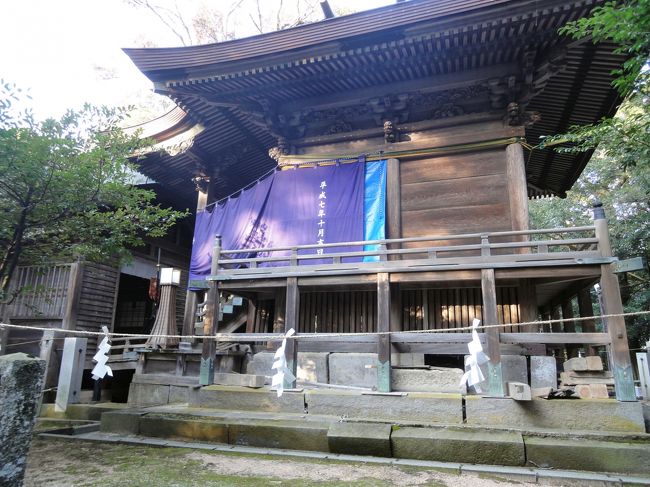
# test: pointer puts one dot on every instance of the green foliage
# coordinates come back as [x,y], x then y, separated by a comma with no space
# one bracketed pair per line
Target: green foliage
[619,172]
[65,188]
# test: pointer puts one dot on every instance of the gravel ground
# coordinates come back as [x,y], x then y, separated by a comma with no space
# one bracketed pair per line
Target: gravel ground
[57,462]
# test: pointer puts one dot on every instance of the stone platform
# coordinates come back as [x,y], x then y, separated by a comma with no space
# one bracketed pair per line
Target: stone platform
[608,435]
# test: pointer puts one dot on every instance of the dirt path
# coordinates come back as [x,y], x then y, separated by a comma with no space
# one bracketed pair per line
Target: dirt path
[54,463]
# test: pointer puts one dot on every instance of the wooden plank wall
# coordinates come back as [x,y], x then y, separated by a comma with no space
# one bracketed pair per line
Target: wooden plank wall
[461,193]
[97,300]
[338,312]
[422,309]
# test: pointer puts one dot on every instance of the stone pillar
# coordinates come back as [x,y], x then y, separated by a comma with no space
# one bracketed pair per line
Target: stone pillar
[21,383]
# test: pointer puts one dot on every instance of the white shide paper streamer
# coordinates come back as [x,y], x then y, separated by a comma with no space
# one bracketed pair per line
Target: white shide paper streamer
[280,366]
[473,377]
[101,357]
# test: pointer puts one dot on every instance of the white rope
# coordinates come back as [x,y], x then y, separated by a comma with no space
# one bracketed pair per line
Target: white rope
[280,337]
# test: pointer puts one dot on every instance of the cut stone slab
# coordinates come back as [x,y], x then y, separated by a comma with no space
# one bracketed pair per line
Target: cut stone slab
[353,369]
[360,439]
[427,407]
[558,414]
[583,364]
[246,399]
[519,391]
[588,454]
[178,427]
[294,435]
[514,368]
[242,380]
[312,366]
[126,422]
[592,391]
[148,394]
[543,372]
[438,379]
[454,445]
[21,385]
[407,359]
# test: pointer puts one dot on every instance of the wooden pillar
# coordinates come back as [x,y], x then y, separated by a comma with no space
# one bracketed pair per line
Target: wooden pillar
[74,295]
[210,320]
[393,203]
[251,313]
[395,307]
[586,308]
[490,317]
[569,327]
[618,349]
[191,298]
[527,305]
[383,326]
[291,321]
[517,186]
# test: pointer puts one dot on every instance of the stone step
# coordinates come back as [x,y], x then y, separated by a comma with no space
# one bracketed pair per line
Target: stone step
[624,453]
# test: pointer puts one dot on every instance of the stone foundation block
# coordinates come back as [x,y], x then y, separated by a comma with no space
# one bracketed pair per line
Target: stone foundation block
[148,394]
[241,380]
[514,368]
[353,369]
[126,422]
[161,426]
[416,406]
[557,414]
[312,366]
[543,372]
[246,399]
[360,439]
[452,445]
[280,434]
[588,454]
[438,379]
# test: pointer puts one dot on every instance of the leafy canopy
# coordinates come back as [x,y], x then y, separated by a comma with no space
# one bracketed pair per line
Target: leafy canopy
[619,172]
[66,188]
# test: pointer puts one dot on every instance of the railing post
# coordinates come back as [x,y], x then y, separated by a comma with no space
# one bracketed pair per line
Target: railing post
[618,348]
[490,317]
[485,246]
[210,320]
[383,327]
[291,321]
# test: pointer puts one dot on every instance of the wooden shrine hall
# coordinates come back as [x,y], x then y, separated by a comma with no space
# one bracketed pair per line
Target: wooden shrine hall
[456,97]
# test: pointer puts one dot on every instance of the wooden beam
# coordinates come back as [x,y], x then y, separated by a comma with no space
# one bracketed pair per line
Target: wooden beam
[74,295]
[210,321]
[251,313]
[619,352]
[556,338]
[383,326]
[490,317]
[586,308]
[291,321]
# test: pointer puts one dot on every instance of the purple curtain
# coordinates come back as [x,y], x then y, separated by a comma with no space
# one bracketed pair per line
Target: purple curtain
[293,207]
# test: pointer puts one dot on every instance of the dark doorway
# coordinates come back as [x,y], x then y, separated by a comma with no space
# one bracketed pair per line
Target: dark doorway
[134,313]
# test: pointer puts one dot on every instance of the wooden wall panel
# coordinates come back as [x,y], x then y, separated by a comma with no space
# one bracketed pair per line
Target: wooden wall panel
[338,312]
[463,193]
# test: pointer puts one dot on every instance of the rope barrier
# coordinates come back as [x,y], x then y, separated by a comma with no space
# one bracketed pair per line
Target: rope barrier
[280,337]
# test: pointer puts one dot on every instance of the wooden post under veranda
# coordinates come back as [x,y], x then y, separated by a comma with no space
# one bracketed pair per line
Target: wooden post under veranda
[210,320]
[618,348]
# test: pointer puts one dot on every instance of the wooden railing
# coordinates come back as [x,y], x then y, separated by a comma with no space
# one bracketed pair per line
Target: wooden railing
[531,248]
